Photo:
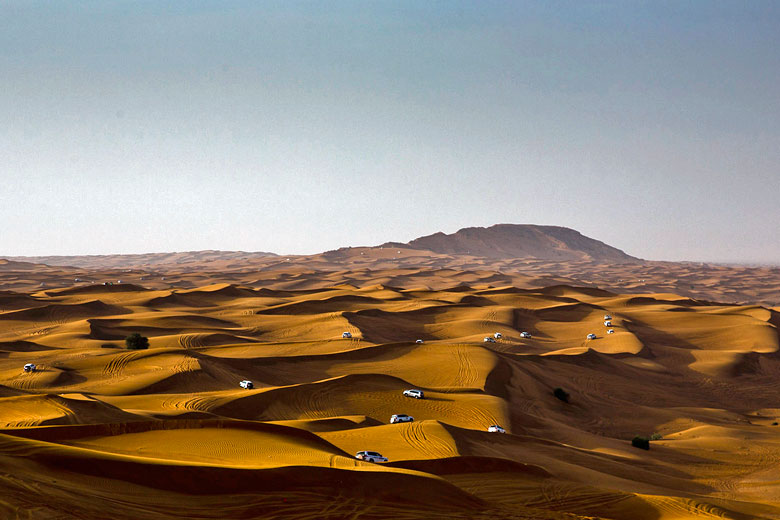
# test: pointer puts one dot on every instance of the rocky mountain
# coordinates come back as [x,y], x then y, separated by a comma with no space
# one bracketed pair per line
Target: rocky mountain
[520,241]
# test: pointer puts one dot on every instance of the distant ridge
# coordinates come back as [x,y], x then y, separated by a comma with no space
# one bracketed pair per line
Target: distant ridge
[501,241]
[142,259]
[13,265]
[520,241]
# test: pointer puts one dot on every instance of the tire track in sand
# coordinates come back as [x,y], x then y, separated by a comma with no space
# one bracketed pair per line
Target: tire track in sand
[429,445]
[114,368]
[466,374]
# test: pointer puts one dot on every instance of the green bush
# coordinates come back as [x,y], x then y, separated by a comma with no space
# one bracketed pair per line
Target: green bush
[656,437]
[561,394]
[640,442]
[136,342]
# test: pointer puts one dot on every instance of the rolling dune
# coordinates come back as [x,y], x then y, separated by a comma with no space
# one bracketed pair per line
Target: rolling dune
[167,432]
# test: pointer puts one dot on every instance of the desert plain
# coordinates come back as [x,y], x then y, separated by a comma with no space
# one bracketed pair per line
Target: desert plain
[100,431]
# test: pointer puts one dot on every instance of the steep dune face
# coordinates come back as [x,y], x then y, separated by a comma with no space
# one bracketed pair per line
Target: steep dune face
[168,433]
[521,241]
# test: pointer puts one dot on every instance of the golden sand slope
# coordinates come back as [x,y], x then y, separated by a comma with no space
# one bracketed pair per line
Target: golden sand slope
[168,433]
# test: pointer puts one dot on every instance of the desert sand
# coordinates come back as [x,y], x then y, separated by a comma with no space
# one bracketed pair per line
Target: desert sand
[99,431]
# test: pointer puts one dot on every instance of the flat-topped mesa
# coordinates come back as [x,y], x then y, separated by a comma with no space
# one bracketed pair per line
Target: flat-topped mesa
[520,241]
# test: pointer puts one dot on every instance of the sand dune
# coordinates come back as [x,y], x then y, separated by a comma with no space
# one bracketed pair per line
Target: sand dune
[167,432]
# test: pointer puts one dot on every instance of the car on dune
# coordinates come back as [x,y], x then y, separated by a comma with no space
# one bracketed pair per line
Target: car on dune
[29,367]
[419,341]
[611,331]
[526,335]
[347,335]
[496,429]
[370,456]
[607,323]
[607,317]
[498,335]
[591,336]
[246,383]
[489,339]
[401,417]
[416,394]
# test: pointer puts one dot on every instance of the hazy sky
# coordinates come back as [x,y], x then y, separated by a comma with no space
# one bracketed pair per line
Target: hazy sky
[297,127]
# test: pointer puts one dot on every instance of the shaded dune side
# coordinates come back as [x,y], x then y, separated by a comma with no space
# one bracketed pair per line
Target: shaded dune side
[97,289]
[65,312]
[23,346]
[471,464]
[50,409]
[198,479]
[310,400]
[10,301]
[332,304]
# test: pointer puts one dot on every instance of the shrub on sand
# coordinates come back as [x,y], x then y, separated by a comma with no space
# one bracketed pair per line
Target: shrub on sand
[561,394]
[136,342]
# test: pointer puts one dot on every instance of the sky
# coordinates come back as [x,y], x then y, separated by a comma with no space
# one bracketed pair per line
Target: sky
[299,127]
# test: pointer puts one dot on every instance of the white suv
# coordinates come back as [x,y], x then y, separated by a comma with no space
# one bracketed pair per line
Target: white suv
[498,335]
[591,336]
[489,339]
[346,335]
[29,367]
[246,383]
[370,456]
[401,417]
[496,429]
[413,392]
[526,335]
